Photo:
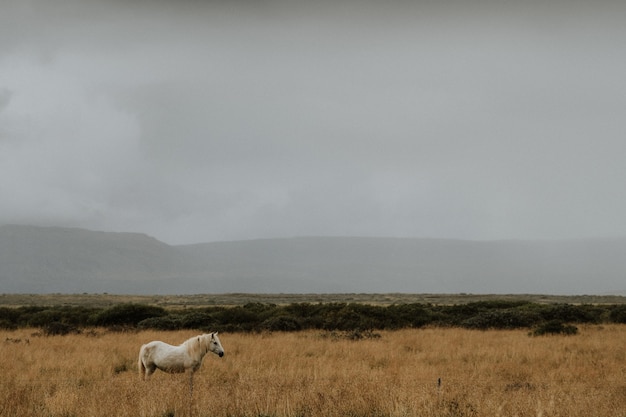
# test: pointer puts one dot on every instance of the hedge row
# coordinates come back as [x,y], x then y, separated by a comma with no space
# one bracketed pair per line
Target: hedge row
[301,316]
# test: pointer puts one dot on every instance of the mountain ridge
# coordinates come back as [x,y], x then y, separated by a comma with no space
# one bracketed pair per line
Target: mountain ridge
[35,259]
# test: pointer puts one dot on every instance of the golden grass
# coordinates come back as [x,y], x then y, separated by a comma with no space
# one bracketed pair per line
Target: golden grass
[493,373]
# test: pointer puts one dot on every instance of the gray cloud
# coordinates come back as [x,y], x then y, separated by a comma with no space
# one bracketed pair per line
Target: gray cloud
[201,121]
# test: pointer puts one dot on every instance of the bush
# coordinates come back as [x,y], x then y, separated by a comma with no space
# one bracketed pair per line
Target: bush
[7,324]
[282,324]
[127,315]
[344,317]
[9,318]
[502,319]
[321,316]
[311,316]
[57,328]
[236,319]
[202,320]
[572,314]
[160,323]
[455,315]
[410,315]
[555,327]
[618,314]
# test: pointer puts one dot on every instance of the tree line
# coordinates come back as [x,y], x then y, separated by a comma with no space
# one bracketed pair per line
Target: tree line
[356,317]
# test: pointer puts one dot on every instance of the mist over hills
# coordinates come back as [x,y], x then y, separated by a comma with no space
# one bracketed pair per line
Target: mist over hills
[49,259]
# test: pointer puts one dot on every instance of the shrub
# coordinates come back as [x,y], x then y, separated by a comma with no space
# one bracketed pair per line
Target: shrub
[57,328]
[236,319]
[282,324]
[7,324]
[9,318]
[344,317]
[322,316]
[312,316]
[618,314]
[555,327]
[202,320]
[502,319]
[160,323]
[410,315]
[127,315]
[572,314]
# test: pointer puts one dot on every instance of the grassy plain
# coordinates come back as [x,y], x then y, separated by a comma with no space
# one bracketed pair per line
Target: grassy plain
[237,299]
[416,372]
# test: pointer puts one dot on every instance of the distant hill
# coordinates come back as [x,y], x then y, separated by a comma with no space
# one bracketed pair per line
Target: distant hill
[49,260]
[43,260]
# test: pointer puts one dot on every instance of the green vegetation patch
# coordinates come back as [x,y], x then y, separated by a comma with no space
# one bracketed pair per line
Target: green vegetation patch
[333,316]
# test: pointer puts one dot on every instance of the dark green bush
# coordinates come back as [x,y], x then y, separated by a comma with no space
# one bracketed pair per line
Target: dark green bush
[311,316]
[348,317]
[127,315]
[573,313]
[555,327]
[502,319]
[161,323]
[237,319]
[479,314]
[202,320]
[618,314]
[10,315]
[321,316]
[56,328]
[7,324]
[410,315]
[282,324]
[42,318]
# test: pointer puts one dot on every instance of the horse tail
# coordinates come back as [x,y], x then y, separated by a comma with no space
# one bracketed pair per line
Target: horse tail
[140,365]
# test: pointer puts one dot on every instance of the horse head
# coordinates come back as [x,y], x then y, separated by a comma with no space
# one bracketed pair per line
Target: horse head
[215,345]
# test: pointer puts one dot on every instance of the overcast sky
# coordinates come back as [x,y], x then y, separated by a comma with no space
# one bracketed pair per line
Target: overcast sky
[197,121]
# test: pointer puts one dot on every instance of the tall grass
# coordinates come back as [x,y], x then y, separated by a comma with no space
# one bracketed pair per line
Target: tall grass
[425,372]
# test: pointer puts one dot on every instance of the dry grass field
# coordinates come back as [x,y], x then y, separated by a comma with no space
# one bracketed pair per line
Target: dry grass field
[481,373]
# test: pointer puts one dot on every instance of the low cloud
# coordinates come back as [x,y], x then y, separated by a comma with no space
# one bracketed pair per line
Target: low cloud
[219,121]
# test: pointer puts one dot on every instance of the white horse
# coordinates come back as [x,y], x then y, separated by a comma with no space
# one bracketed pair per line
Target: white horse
[177,359]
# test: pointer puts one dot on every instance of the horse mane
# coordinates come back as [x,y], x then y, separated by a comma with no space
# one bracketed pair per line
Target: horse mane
[197,346]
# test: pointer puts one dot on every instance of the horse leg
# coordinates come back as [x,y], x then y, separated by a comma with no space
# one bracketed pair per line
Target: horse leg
[190,390]
[150,369]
